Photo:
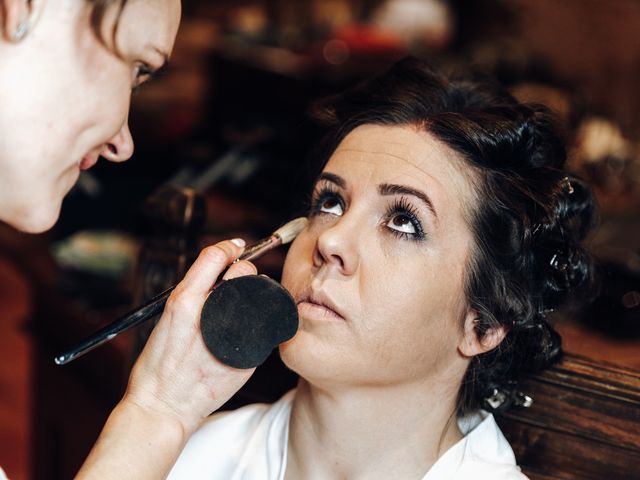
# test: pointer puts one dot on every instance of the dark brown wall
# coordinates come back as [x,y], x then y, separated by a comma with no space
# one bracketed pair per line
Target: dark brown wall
[591,43]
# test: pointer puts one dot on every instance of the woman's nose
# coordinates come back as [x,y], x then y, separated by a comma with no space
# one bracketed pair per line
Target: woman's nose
[119,147]
[337,246]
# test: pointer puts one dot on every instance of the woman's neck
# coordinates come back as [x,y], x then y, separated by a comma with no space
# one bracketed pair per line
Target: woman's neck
[370,432]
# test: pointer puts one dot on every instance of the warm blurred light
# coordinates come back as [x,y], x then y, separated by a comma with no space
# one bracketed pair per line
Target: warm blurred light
[428,21]
[336,52]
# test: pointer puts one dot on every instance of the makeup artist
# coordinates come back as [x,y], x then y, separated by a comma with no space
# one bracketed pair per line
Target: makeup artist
[67,69]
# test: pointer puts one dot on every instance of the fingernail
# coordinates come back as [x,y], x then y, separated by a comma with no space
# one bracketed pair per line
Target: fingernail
[238,242]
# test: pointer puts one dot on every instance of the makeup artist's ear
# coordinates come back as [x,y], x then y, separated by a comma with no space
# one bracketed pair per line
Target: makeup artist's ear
[470,345]
[19,17]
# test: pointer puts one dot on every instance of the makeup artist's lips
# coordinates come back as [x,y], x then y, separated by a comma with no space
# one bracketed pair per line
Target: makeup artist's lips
[317,305]
[88,161]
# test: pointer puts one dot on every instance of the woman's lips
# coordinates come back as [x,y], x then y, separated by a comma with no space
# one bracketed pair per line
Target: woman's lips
[317,305]
[88,161]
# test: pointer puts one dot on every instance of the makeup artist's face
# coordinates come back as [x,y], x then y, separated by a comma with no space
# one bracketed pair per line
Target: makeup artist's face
[378,272]
[64,99]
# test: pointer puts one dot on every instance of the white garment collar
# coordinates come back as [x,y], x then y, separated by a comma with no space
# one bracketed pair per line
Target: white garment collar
[483,445]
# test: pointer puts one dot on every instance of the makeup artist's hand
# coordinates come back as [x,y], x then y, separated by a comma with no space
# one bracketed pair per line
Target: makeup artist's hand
[176,374]
[175,383]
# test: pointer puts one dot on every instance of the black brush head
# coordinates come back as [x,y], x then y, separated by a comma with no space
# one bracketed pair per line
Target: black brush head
[245,318]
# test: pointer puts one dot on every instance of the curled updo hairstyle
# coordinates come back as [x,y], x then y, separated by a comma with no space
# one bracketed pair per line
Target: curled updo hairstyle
[530,217]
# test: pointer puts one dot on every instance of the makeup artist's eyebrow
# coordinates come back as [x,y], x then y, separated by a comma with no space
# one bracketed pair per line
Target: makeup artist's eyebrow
[333,178]
[392,189]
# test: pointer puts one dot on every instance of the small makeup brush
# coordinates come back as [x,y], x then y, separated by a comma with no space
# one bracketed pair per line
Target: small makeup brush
[153,307]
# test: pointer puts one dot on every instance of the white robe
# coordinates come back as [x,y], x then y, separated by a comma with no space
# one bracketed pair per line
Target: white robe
[251,444]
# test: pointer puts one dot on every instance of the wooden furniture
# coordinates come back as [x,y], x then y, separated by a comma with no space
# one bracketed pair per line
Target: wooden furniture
[72,402]
[584,423]
[175,215]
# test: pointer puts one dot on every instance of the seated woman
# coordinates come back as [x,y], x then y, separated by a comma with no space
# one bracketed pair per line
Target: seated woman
[442,231]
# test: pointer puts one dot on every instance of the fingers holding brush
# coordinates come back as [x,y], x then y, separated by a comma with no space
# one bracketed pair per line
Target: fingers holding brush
[176,374]
[212,261]
[240,269]
[176,382]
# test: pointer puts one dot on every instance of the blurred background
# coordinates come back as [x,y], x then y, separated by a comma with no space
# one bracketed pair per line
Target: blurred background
[221,145]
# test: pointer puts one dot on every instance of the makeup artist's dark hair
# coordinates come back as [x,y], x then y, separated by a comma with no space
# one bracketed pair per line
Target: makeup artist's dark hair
[530,217]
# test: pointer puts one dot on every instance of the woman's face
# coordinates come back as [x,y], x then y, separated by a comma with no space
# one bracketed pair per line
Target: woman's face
[378,273]
[64,99]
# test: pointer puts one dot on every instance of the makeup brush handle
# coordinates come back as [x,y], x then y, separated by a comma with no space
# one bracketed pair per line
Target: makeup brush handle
[150,309]
[153,307]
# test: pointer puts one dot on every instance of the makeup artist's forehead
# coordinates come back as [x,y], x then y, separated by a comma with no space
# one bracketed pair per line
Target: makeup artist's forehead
[149,23]
[374,154]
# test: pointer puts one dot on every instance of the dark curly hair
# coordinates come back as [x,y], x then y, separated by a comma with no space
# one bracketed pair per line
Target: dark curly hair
[528,224]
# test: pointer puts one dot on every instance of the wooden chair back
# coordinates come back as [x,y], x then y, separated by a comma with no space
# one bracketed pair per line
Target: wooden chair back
[584,423]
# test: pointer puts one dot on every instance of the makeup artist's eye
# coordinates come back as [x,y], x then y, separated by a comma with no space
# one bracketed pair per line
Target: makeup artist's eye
[327,201]
[402,220]
[142,73]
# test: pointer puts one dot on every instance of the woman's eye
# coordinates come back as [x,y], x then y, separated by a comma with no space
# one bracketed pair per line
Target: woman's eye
[327,201]
[141,74]
[331,205]
[402,223]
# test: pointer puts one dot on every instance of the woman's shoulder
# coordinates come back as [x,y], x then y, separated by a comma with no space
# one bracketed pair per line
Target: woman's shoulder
[217,448]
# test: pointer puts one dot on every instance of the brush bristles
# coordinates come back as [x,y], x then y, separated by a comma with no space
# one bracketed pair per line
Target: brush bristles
[291,230]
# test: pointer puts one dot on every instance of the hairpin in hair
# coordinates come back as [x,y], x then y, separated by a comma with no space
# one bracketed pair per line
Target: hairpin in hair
[566,185]
[536,229]
[558,262]
[496,399]
[522,400]
[500,400]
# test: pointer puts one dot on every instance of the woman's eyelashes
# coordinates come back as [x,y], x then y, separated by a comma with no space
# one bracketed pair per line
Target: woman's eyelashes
[401,218]
[327,200]
[142,73]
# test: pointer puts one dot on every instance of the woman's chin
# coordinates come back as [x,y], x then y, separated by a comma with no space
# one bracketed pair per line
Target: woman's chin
[305,356]
[296,355]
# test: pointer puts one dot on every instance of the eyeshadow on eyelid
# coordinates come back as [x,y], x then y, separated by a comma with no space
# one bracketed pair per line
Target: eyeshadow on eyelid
[392,189]
[332,178]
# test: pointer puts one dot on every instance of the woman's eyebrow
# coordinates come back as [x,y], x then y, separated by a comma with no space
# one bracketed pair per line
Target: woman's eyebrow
[393,189]
[333,178]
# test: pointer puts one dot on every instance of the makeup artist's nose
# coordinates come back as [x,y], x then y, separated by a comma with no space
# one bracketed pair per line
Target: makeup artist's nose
[337,246]
[119,147]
